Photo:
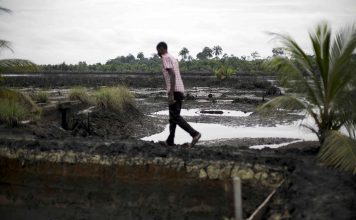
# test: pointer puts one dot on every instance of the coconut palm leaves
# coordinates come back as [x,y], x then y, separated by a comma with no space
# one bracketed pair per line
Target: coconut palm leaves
[16,65]
[339,150]
[5,10]
[13,64]
[327,81]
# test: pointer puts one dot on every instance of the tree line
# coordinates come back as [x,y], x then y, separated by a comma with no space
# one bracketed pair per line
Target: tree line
[208,60]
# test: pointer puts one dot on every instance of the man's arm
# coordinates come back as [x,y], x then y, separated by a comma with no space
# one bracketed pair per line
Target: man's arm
[172,77]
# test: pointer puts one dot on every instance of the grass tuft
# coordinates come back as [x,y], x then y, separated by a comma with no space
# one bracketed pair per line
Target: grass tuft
[12,112]
[81,94]
[117,99]
[20,98]
[40,97]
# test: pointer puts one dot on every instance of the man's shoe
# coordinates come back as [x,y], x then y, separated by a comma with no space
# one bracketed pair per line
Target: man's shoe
[164,143]
[195,140]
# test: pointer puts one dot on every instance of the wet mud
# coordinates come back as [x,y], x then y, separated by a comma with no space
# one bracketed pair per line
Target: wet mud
[98,168]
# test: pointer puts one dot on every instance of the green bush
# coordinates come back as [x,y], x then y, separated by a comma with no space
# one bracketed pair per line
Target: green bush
[81,94]
[12,112]
[116,99]
[41,97]
[224,72]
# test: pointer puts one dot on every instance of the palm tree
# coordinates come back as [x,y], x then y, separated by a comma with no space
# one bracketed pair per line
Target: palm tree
[184,53]
[217,50]
[327,80]
[13,64]
[140,56]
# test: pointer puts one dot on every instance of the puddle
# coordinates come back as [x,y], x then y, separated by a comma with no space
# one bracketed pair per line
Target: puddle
[87,110]
[197,112]
[217,131]
[274,145]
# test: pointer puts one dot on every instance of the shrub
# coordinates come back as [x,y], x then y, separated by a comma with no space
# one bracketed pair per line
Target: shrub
[12,112]
[116,99]
[224,72]
[80,94]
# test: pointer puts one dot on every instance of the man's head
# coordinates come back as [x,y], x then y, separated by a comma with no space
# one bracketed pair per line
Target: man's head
[161,48]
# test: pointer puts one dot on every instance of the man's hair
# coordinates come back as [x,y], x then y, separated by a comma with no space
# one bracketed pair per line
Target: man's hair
[162,45]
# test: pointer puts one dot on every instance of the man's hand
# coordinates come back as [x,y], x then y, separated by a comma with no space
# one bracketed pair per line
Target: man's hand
[171,100]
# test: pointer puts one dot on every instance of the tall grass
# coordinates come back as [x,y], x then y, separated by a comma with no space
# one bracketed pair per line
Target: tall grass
[41,97]
[20,98]
[12,112]
[117,99]
[81,94]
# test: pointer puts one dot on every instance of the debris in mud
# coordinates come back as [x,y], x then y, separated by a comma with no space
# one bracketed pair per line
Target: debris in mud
[216,112]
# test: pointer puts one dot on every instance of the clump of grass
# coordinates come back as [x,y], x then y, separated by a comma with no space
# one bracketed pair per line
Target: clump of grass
[20,98]
[81,94]
[41,97]
[117,98]
[12,112]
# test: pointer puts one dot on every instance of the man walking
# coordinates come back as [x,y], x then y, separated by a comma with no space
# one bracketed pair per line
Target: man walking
[175,90]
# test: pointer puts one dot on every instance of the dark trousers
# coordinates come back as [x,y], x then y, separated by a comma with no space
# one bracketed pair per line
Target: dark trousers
[175,119]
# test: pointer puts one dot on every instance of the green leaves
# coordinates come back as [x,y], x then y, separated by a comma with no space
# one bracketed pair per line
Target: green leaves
[281,102]
[5,10]
[5,45]
[17,65]
[13,64]
[339,151]
[224,72]
[327,79]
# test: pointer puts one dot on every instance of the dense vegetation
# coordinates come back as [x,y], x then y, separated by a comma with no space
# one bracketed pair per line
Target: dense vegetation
[208,60]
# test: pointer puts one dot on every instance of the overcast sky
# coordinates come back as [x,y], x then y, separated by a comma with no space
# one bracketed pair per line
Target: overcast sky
[53,31]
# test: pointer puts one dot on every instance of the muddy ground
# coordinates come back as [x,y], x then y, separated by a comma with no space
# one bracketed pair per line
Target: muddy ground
[311,190]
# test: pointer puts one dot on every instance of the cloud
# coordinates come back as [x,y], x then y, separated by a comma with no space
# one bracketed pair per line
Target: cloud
[48,31]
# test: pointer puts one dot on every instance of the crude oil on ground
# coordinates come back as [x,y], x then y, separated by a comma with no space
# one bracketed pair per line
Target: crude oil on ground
[108,166]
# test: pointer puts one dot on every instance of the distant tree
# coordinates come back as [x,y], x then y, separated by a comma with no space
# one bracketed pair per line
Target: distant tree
[155,57]
[82,66]
[255,55]
[130,58]
[140,56]
[217,50]
[205,54]
[243,58]
[277,51]
[184,53]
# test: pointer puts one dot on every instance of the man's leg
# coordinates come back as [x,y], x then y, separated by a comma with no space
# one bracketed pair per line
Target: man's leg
[174,111]
[179,120]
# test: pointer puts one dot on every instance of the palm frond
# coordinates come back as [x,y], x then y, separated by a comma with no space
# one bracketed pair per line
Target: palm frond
[282,102]
[2,9]
[339,151]
[341,72]
[302,65]
[321,45]
[345,108]
[17,65]
[5,44]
